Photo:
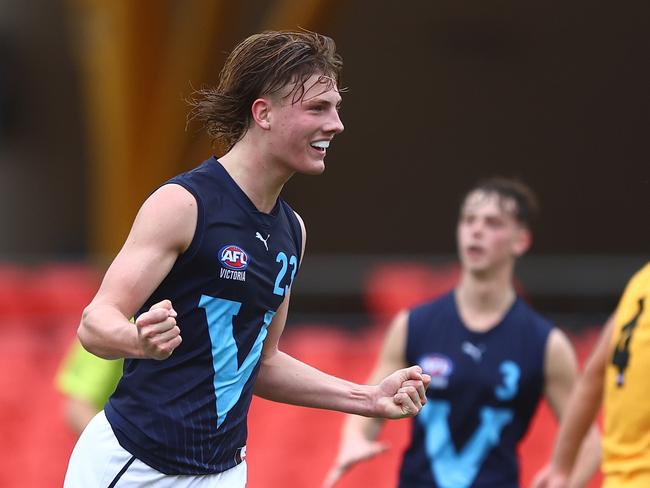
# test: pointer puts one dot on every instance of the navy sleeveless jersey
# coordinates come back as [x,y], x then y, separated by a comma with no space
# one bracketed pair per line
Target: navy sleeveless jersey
[187,414]
[485,388]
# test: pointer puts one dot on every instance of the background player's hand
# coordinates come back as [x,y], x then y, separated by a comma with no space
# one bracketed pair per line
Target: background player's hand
[158,334]
[353,449]
[402,393]
[547,478]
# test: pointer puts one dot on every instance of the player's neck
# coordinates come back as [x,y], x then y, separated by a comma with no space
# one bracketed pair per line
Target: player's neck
[261,184]
[484,300]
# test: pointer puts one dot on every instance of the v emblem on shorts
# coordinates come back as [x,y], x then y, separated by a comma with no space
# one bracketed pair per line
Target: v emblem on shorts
[259,236]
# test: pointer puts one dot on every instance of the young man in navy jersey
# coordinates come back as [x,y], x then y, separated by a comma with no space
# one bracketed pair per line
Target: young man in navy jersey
[207,271]
[490,356]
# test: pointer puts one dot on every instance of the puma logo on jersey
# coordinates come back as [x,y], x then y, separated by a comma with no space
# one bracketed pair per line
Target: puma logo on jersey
[259,236]
[475,352]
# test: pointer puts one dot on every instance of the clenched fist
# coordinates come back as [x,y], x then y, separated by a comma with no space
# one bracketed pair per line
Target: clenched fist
[158,334]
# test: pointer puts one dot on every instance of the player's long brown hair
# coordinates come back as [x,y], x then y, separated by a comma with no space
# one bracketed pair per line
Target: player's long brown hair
[260,65]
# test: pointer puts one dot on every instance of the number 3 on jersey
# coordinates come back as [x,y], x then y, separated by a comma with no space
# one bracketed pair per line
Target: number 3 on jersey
[285,262]
[458,468]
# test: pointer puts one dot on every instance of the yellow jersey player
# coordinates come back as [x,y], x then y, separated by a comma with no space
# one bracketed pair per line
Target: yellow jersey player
[616,374]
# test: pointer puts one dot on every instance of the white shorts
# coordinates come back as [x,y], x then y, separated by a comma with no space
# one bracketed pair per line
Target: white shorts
[98,461]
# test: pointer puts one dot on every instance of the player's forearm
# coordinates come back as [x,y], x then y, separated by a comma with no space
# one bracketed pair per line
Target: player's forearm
[587,461]
[285,379]
[579,416]
[106,333]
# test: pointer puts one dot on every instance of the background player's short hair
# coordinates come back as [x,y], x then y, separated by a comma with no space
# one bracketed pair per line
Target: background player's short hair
[526,202]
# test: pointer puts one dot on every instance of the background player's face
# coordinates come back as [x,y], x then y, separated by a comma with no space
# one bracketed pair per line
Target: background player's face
[488,233]
[301,132]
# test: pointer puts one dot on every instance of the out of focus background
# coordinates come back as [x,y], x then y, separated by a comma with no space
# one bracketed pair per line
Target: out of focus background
[93,118]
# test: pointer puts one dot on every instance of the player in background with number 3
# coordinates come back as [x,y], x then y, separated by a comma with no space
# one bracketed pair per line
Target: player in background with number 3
[207,271]
[490,357]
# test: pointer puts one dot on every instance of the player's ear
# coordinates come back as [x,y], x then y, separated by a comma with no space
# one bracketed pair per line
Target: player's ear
[261,111]
[523,241]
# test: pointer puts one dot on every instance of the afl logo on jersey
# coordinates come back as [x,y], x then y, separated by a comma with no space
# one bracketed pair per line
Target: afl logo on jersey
[439,367]
[233,257]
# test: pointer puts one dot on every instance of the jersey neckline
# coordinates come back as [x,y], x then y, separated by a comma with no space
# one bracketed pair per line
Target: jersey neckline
[486,332]
[264,219]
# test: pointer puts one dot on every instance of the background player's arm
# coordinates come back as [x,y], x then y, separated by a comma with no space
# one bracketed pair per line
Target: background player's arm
[560,377]
[359,434]
[285,379]
[581,411]
[163,228]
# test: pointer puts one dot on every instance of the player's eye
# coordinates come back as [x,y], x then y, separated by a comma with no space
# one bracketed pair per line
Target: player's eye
[495,223]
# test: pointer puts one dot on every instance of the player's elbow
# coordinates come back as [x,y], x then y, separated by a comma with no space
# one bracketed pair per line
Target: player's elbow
[85,331]
[82,331]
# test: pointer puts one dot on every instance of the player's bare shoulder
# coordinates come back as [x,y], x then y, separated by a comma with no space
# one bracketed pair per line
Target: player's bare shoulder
[168,217]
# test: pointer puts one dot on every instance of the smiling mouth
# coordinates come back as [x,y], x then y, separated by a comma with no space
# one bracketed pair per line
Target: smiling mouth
[320,145]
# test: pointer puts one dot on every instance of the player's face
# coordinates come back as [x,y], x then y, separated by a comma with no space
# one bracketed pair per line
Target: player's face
[301,132]
[488,233]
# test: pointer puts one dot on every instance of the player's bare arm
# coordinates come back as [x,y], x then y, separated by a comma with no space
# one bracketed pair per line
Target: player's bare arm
[162,230]
[561,372]
[581,412]
[285,379]
[359,434]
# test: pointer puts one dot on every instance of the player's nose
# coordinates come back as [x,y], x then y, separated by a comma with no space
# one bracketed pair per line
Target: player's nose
[334,124]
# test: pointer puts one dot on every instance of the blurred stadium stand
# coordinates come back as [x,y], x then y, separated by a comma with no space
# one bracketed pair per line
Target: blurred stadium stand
[289,447]
[351,291]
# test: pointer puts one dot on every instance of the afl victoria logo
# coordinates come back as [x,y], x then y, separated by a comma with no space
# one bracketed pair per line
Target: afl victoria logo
[233,257]
[439,367]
